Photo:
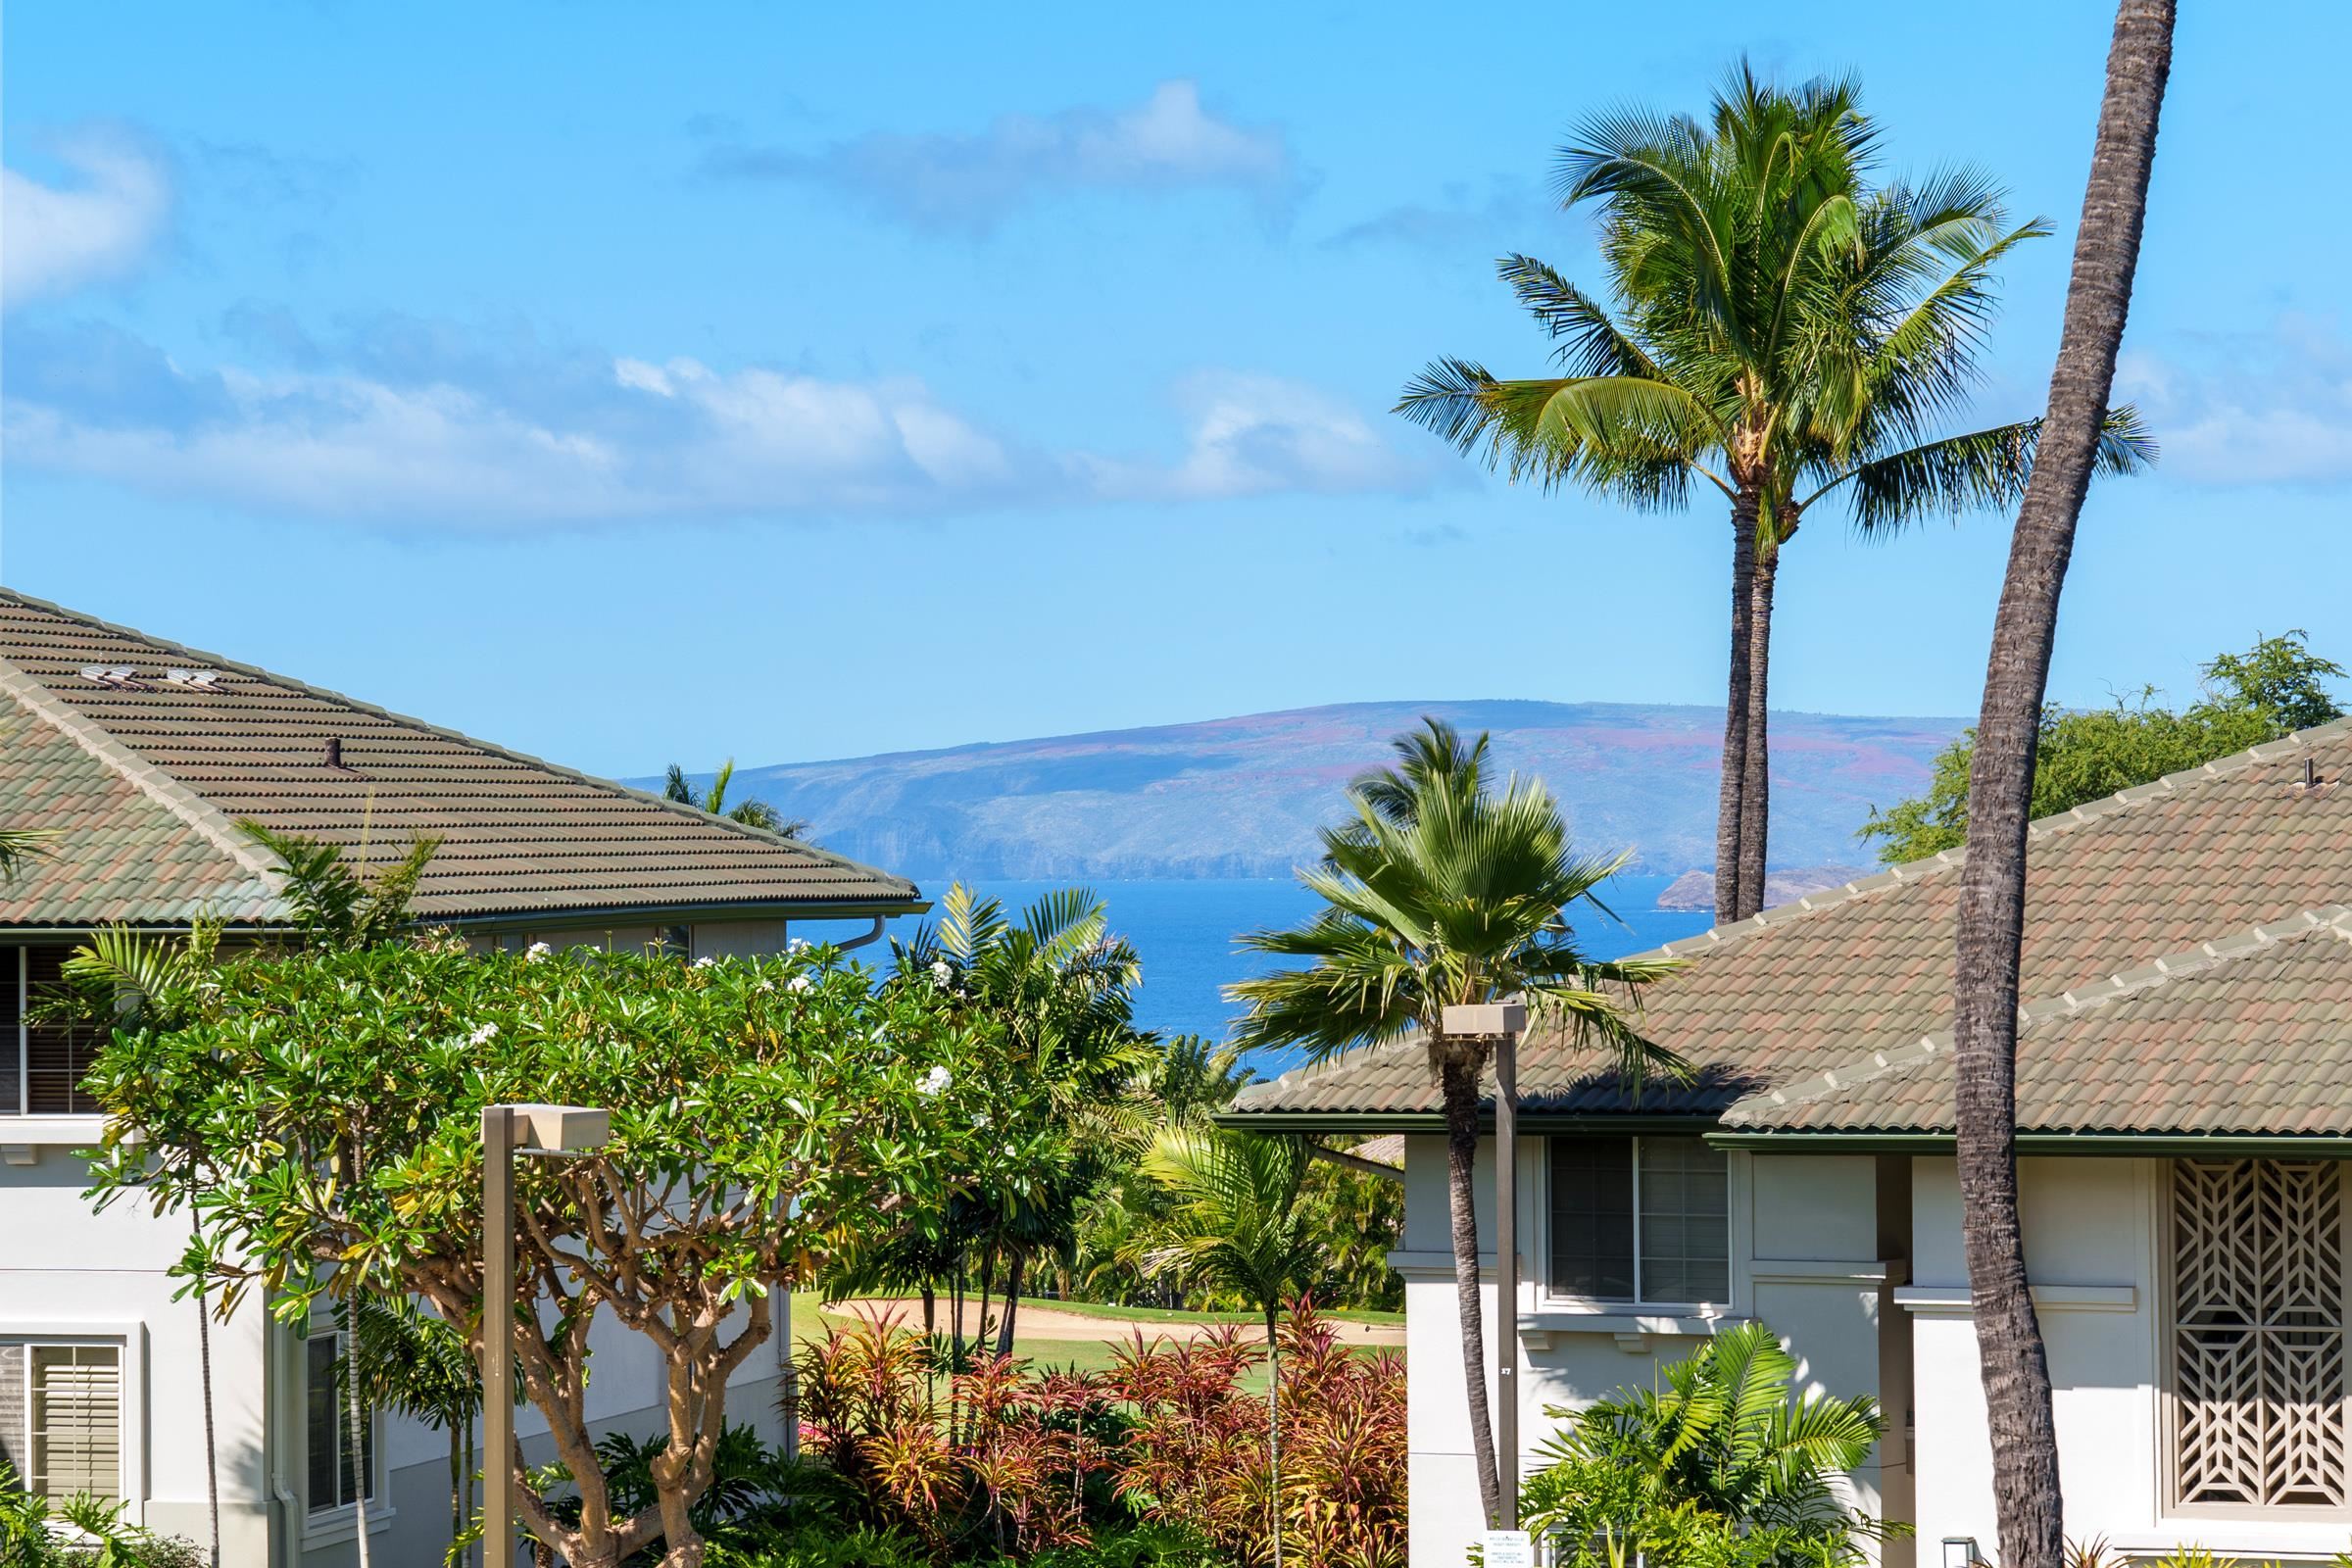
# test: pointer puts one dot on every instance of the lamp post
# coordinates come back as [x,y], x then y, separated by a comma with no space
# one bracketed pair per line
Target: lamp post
[1502,1022]
[508,1131]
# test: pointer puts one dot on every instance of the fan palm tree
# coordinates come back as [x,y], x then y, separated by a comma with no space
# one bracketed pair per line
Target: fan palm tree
[751,814]
[1992,879]
[1442,891]
[16,846]
[1236,1222]
[1782,333]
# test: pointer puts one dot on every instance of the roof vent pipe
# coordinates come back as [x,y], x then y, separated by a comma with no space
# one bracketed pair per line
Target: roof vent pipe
[334,751]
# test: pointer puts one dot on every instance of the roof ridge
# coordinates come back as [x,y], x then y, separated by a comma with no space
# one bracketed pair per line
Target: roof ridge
[2333,919]
[1909,871]
[259,672]
[193,810]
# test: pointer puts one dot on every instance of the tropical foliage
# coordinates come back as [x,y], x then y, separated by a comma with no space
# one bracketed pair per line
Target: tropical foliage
[1004,1459]
[96,1535]
[19,845]
[1777,330]
[751,814]
[1235,1218]
[1444,890]
[326,1109]
[1723,1464]
[2273,689]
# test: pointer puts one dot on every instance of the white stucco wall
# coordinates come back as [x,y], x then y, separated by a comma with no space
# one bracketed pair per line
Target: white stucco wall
[1806,1243]
[67,1271]
[2092,1229]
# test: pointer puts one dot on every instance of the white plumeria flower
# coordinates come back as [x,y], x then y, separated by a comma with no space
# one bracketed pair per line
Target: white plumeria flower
[535,952]
[483,1036]
[797,945]
[941,973]
[937,1079]
[799,982]
[765,985]
[704,963]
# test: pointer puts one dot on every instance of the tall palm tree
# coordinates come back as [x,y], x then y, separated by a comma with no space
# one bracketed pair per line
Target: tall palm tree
[1992,879]
[1236,1222]
[1783,332]
[751,814]
[1444,891]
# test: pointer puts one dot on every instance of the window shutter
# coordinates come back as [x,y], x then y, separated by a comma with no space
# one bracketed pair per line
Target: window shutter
[76,1439]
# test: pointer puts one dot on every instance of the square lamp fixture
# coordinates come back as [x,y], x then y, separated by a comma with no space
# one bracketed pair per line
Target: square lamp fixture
[1960,1552]
[1485,1018]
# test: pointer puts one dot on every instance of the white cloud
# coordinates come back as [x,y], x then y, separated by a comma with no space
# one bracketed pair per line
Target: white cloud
[60,238]
[969,181]
[444,433]
[1257,435]
[2243,409]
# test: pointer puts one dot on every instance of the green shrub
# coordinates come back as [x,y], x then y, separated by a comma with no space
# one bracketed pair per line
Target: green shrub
[876,1546]
[1722,1469]
[29,1537]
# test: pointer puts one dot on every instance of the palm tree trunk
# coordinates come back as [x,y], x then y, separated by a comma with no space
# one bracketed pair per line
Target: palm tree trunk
[1731,786]
[1459,1081]
[204,1361]
[988,1285]
[358,1433]
[1755,788]
[1274,1427]
[456,1486]
[1013,1269]
[1992,879]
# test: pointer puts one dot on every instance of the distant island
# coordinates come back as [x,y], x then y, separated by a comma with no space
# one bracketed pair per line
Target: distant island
[1695,890]
[1242,797]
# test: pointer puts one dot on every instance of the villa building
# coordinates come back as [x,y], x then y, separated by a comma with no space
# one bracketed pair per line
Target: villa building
[2184,1105]
[139,758]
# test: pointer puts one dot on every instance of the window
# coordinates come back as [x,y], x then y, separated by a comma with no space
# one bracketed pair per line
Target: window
[61,1417]
[2257,1336]
[41,1065]
[335,1478]
[1640,1219]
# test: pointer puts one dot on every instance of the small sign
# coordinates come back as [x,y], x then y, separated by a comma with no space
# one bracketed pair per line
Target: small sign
[1510,1548]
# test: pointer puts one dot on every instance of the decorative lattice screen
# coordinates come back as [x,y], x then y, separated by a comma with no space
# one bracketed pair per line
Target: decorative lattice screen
[2258,1332]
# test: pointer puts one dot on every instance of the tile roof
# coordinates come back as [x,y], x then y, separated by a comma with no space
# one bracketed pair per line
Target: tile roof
[147,776]
[2248,1035]
[1837,977]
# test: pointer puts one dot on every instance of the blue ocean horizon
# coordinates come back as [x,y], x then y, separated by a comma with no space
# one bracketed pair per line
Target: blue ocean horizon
[1185,931]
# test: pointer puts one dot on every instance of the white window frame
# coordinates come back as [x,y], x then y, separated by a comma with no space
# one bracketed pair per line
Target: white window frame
[1734,1189]
[339,1522]
[130,1340]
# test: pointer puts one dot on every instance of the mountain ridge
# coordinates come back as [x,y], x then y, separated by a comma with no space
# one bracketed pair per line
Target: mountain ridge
[1242,796]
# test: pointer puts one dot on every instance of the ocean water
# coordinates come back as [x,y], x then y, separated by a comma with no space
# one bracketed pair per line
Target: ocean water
[1185,931]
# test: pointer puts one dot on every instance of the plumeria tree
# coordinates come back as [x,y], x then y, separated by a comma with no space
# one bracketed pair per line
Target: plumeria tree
[324,1118]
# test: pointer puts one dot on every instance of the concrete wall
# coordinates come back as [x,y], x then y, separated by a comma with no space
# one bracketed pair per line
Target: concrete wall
[1807,1255]
[2092,1232]
[65,1271]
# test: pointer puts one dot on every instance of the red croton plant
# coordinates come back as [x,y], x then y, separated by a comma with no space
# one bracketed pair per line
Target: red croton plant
[1019,1459]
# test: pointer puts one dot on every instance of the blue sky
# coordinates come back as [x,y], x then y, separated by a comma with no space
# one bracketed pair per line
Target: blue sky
[631,385]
